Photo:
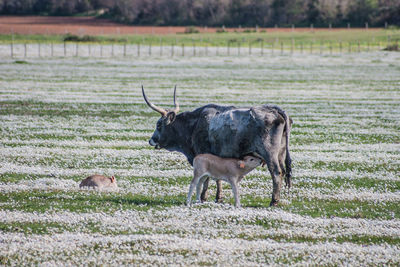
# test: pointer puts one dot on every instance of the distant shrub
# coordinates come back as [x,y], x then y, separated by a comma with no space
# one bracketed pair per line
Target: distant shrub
[20,62]
[392,47]
[75,38]
[249,30]
[191,29]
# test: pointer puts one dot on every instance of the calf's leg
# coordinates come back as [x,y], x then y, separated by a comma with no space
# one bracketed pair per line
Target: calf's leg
[193,184]
[199,187]
[235,191]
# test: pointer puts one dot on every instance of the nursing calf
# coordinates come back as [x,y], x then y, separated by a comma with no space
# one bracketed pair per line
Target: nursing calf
[227,169]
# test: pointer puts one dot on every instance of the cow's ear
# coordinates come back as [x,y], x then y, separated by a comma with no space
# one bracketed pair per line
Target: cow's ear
[241,164]
[170,117]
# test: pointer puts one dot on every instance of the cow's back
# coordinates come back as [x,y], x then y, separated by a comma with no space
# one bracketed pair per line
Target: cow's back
[240,131]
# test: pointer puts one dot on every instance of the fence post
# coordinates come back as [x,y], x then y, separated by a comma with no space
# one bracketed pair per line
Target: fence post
[272,47]
[183,49]
[172,50]
[138,49]
[340,47]
[101,49]
[291,46]
[25,53]
[39,49]
[12,49]
[320,48]
[76,49]
[160,47]
[281,48]
[249,47]
[150,49]
[194,49]
[330,47]
[262,47]
[228,45]
[65,49]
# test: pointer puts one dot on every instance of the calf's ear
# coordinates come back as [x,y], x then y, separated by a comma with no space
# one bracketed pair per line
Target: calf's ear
[170,117]
[241,164]
[112,179]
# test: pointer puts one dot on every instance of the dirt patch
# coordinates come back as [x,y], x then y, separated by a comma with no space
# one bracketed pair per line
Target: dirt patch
[94,26]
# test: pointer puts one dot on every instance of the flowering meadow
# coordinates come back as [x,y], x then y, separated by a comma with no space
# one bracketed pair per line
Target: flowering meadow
[63,119]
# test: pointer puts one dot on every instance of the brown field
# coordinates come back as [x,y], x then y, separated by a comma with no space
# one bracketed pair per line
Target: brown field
[94,26]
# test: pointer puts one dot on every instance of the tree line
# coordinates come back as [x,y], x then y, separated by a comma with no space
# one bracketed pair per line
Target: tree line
[231,13]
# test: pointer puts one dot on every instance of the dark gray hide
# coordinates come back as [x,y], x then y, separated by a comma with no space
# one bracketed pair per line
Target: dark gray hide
[227,131]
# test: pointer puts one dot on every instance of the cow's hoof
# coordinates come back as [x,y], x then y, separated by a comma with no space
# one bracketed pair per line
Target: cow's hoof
[219,200]
[274,203]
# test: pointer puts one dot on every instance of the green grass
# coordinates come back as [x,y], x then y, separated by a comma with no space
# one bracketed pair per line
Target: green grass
[372,37]
[85,201]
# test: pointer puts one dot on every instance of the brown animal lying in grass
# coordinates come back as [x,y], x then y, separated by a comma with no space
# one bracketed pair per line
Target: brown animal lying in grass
[99,182]
[227,169]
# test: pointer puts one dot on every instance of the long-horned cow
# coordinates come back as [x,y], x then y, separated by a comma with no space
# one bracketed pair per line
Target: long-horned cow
[228,132]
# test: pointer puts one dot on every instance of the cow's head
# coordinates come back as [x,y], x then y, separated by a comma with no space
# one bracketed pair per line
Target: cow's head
[164,132]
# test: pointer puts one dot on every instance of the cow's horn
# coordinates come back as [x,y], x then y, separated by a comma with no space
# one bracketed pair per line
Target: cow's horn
[176,104]
[162,111]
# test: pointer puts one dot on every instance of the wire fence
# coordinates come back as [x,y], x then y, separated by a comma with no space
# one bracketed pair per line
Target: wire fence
[258,48]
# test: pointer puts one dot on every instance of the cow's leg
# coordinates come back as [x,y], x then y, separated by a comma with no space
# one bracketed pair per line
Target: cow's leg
[204,193]
[218,198]
[274,169]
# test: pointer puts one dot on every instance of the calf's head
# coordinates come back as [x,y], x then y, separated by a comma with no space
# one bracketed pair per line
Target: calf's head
[250,162]
[164,133]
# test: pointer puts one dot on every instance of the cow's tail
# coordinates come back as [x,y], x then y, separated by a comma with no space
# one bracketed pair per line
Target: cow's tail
[288,160]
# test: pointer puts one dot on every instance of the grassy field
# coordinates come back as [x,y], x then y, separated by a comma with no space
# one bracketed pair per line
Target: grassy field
[370,37]
[63,119]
